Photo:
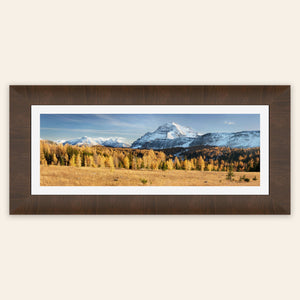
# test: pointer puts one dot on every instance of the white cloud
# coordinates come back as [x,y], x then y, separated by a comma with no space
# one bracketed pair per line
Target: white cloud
[229,123]
[116,122]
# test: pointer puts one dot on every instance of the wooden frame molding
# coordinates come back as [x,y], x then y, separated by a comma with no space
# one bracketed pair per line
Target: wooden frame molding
[22,97]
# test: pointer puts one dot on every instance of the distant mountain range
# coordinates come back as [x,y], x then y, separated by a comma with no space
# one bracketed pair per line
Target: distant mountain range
[242,139]
[172,135]
[108,142]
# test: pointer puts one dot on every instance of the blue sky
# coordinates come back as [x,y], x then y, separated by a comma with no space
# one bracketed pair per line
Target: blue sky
[132,126]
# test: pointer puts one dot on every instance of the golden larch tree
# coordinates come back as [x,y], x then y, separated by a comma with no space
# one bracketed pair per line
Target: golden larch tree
[66,159]
[110,162]
[170,164]
[78,160]
[126,162]
[54,159]
[187,165]
[177,163]
[72,161]
[43,160]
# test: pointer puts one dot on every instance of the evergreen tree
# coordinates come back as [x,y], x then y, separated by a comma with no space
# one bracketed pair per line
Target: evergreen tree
[164,166]
[230,173]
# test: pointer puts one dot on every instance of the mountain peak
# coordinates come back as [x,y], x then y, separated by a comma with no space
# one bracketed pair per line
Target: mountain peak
[173,130]
[170,123]
[171,135]
[166,135]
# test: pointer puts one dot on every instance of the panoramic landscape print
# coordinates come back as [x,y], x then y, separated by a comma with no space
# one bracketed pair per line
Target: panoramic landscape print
[149,149]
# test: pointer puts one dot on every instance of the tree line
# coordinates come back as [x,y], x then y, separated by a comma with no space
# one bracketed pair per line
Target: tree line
[135,159]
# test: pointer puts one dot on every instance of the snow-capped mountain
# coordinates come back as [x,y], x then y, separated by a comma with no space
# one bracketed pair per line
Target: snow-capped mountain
[242,139]
[172,135]
[169,135]
[108,142]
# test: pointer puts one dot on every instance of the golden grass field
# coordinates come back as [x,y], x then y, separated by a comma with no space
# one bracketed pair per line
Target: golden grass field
[86,176]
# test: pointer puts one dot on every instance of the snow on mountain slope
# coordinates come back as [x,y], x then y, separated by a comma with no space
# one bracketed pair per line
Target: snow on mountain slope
[108,142]
[171,135]
[242,139]
[168,135]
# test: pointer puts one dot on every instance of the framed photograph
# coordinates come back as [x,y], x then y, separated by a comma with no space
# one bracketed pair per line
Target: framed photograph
[149,149]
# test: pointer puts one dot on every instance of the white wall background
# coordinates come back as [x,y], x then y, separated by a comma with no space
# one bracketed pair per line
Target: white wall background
[149,257]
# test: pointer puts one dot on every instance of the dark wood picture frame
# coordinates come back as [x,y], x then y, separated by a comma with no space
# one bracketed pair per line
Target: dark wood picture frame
[22,97]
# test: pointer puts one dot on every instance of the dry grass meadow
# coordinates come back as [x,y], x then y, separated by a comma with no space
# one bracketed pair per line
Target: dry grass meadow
[88,176]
